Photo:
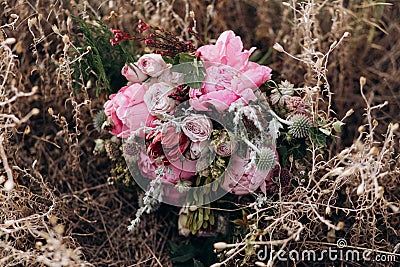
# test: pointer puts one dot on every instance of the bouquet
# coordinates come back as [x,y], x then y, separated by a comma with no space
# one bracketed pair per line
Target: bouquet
[196,124]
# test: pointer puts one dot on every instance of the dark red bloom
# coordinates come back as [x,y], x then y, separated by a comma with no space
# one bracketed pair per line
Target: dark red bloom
[119,36]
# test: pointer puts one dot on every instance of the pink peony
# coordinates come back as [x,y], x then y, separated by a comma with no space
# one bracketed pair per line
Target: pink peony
[152,64]
[147,166]
[197,127]
[222,86]
[127,110]
[174,174]
[133,74]
[228,50]
[230,77]
[239,181]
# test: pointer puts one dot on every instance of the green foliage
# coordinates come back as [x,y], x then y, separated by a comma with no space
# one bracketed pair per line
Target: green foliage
[295,148]
[317,137]
[200,218]
[192,68]
[104,62]
[197,252]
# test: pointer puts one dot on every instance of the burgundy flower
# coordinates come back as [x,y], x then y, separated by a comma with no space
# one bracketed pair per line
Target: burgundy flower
[155,148]
[174,143]
[279,177]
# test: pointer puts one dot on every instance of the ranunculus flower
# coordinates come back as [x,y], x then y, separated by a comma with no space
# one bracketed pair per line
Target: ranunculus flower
[127,110]
[230,77]
[197,127]
[133,74]
[226,147]
[157,100]
[151,64]
[241,180]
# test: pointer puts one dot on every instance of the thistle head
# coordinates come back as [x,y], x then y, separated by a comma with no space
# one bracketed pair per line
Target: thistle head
[266,159]
[301,124]
[99,120]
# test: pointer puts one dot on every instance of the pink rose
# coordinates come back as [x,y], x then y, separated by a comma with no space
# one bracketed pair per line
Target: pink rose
[151,64]
[197,127]
[241,180]
[157,100]
[133,74]
[127,110]
[172,196]
[230,77]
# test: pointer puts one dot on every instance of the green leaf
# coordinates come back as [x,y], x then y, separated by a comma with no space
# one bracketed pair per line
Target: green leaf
[193,70]
[197,263]
[168,59]
[184,253]
[327,132]
[185,57]
[212,219]
[195,85]
[337,126]
[173,247]
[318,138]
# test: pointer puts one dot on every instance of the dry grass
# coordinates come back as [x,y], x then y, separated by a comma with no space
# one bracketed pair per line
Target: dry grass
[60,210]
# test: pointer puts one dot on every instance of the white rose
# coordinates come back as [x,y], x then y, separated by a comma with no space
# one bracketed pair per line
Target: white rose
[152,64]
[157,100]
[133,74]
[173,78]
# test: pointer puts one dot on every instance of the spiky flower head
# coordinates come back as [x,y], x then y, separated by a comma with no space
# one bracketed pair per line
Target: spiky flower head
[266,159]
[131,150]
[301,124]
[99,120]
